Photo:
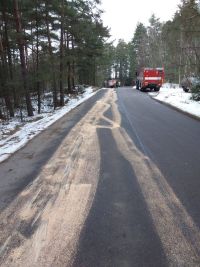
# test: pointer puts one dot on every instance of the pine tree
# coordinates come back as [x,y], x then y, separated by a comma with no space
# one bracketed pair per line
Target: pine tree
[155,45]
[21,45]
[140,46]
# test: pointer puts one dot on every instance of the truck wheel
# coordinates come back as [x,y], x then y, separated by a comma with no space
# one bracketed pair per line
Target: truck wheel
[157,89]
[137,85]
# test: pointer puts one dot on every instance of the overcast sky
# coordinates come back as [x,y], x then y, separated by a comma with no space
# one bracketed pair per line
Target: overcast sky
[122,15]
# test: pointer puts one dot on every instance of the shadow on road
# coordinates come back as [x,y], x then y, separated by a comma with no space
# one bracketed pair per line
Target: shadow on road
[119,230]
[23,167]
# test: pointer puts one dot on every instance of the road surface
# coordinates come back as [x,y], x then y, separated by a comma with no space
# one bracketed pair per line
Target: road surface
[116,182]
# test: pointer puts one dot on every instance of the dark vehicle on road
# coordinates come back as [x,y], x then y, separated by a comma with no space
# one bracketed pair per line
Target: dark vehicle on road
[189,82]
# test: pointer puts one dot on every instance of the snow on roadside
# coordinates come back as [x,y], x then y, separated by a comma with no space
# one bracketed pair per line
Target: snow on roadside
[28,130]
[174,95]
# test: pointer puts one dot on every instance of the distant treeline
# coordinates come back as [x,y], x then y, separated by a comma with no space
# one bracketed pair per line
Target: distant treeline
[174,45]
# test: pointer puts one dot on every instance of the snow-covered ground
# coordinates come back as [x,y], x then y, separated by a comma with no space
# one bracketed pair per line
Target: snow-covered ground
[15,134]
[174,95]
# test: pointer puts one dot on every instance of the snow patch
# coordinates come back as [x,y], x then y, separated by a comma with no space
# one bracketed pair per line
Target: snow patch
[174,95]
[25,131]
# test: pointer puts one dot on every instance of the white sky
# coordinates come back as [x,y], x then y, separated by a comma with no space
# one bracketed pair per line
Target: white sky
[122,15]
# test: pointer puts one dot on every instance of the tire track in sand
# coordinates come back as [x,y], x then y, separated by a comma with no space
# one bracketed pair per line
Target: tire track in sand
[42,226]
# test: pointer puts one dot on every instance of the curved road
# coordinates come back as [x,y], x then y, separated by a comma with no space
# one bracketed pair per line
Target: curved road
[116,182]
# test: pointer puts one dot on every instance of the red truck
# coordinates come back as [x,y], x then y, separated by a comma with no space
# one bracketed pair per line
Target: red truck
[151,78]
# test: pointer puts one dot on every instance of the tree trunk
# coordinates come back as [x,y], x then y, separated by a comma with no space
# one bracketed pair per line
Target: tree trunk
[73,65]
[15,95]
[69,77]
[62,103]
[55,95]
[69,68]
[4,77]
[37,65]
[7,93]
[22,57]
[94,72]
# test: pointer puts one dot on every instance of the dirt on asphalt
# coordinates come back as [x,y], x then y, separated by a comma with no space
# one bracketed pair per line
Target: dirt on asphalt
[42,226]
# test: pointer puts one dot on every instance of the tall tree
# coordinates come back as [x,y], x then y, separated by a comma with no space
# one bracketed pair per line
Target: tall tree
[122,61]
[140,46]
[49,19]
[21,44]
[155,45]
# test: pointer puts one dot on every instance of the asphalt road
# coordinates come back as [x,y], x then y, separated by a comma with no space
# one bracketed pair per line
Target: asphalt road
[22,168]
[114,183]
